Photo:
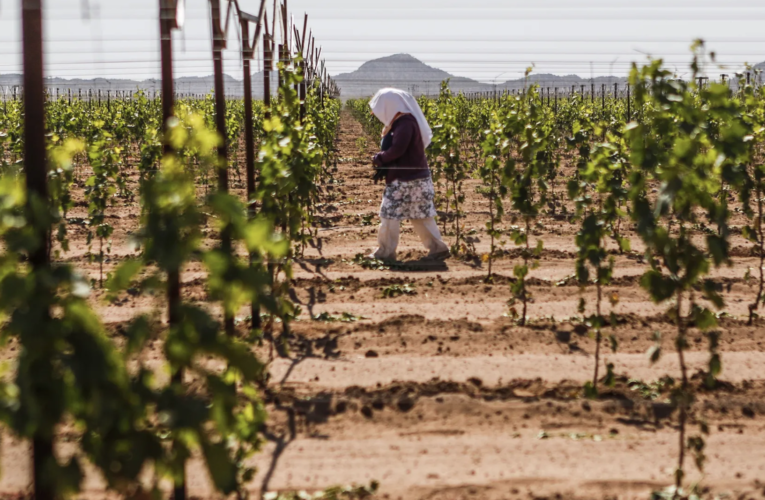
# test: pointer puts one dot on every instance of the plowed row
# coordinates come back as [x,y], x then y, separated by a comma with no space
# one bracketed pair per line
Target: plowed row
[440,395]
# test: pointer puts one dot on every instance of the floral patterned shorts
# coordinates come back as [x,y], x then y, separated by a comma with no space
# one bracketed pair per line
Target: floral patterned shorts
[409,200]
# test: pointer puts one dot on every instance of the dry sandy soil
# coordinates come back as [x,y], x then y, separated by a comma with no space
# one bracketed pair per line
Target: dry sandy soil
[439,395]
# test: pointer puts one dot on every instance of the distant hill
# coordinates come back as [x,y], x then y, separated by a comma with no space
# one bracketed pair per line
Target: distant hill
[409,73]
[185,85]
[399,70]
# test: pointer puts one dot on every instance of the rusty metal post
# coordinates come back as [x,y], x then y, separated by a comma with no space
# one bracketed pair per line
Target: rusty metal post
[249,139]
[268,65]
[311,67]
[35,164]
[167,21]
[556,101]
[166,9]
[219,44]
[302,90]
[280,55]
[248,53]
[321,84]
[36,169]
[220,96]
[249,135]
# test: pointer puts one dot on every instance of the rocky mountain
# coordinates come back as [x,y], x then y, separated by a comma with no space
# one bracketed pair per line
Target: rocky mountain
[184,86]
[409,73]
[399,70]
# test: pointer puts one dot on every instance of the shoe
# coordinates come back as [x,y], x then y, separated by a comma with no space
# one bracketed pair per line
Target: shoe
[440,256]
[383,259]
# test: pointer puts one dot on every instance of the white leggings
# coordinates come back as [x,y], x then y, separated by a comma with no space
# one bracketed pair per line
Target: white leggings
[426,229]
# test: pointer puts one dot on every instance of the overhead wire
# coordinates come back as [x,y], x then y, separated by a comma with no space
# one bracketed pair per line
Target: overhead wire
[456,38]
[344,59]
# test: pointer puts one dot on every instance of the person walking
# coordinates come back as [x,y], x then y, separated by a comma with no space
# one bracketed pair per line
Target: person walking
[409,191]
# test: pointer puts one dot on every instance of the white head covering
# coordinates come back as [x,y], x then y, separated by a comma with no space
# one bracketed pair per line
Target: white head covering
[387,103]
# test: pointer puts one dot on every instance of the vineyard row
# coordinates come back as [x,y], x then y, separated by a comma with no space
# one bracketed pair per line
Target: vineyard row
[675,160]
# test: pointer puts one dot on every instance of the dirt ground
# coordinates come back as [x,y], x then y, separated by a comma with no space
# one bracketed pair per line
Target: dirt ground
[440,395]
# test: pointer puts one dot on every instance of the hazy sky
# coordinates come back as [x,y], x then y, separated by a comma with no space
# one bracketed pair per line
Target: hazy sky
[489,40]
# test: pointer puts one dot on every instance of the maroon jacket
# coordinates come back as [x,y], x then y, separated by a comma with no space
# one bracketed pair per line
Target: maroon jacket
[405,159]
